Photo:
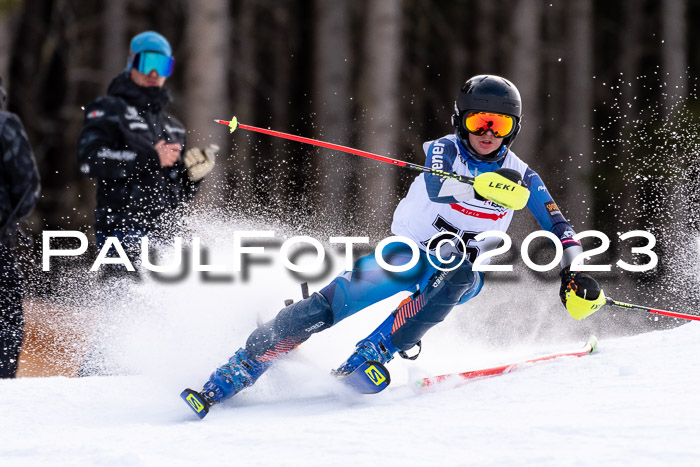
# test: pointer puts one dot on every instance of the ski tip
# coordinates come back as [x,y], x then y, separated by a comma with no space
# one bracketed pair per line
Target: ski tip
[196,401]
[593,342]
[424,385]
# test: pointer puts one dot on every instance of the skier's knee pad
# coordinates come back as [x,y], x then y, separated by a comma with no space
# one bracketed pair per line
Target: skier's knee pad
[455,285]
[292,326]
[473,290]
[338,296]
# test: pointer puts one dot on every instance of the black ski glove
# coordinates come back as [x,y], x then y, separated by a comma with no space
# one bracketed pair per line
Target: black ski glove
[511,174]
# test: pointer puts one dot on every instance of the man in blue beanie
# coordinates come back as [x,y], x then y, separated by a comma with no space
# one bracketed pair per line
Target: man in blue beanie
[136,151]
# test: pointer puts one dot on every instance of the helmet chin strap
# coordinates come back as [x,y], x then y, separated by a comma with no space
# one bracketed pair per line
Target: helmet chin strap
[494,156]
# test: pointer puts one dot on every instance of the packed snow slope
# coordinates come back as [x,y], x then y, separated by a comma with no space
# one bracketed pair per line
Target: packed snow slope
[633,402]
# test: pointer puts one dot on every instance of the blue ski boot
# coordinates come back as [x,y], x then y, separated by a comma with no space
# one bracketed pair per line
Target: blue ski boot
[364,370]
[239,373]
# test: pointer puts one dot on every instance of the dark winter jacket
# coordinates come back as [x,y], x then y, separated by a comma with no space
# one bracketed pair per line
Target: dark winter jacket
[19,177]
[116,146]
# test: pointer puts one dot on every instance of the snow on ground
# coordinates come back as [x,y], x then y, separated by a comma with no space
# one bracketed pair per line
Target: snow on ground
[633,402]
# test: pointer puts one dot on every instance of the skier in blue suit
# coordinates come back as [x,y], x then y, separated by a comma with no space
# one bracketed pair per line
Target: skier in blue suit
[487,120]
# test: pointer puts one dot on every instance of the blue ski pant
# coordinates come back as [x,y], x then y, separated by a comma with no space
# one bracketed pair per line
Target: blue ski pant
[366,284]
[369,283]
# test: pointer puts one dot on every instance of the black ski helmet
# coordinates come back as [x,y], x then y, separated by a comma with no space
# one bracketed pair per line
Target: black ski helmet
[487,93]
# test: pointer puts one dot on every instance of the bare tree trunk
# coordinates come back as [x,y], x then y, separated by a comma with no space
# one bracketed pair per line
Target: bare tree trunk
[552,143]
[677,227]
[206,94]
[460,55]
[631,53]
[579,111]
[246,79]
[9,17]
[525,72]
[486,51]
[631,49]
[674,53]
[380,98]
[332,103]
[115,43]
[281,188]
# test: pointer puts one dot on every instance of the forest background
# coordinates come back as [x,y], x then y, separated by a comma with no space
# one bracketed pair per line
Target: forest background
[609,94]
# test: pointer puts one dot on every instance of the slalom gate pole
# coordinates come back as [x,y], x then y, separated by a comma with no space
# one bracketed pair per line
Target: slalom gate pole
[672,314]
[233,124]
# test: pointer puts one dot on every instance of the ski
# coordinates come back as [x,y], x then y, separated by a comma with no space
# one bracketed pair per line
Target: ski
[196,401]
[588,348]
[369,378]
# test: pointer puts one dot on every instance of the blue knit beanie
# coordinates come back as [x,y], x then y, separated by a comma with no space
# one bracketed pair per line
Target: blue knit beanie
[149,41]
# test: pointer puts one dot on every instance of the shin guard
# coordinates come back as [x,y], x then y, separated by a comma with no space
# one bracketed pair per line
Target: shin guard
[414,317]
[292,326]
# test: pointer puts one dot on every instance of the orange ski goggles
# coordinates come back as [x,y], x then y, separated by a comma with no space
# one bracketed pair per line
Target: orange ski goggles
[479,123]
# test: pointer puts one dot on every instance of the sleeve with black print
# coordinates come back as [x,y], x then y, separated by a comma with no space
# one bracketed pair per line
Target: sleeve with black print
[550,218]
[107,148]
[441,155]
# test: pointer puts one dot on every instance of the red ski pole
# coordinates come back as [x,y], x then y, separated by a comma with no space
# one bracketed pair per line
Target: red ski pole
[233,124]
[629,306]
[490,185]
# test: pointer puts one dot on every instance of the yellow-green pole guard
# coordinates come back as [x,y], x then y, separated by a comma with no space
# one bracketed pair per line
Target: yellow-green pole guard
[497,188]
[579,307]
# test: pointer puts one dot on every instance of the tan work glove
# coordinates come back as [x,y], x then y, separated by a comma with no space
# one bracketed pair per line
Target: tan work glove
[199,163]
